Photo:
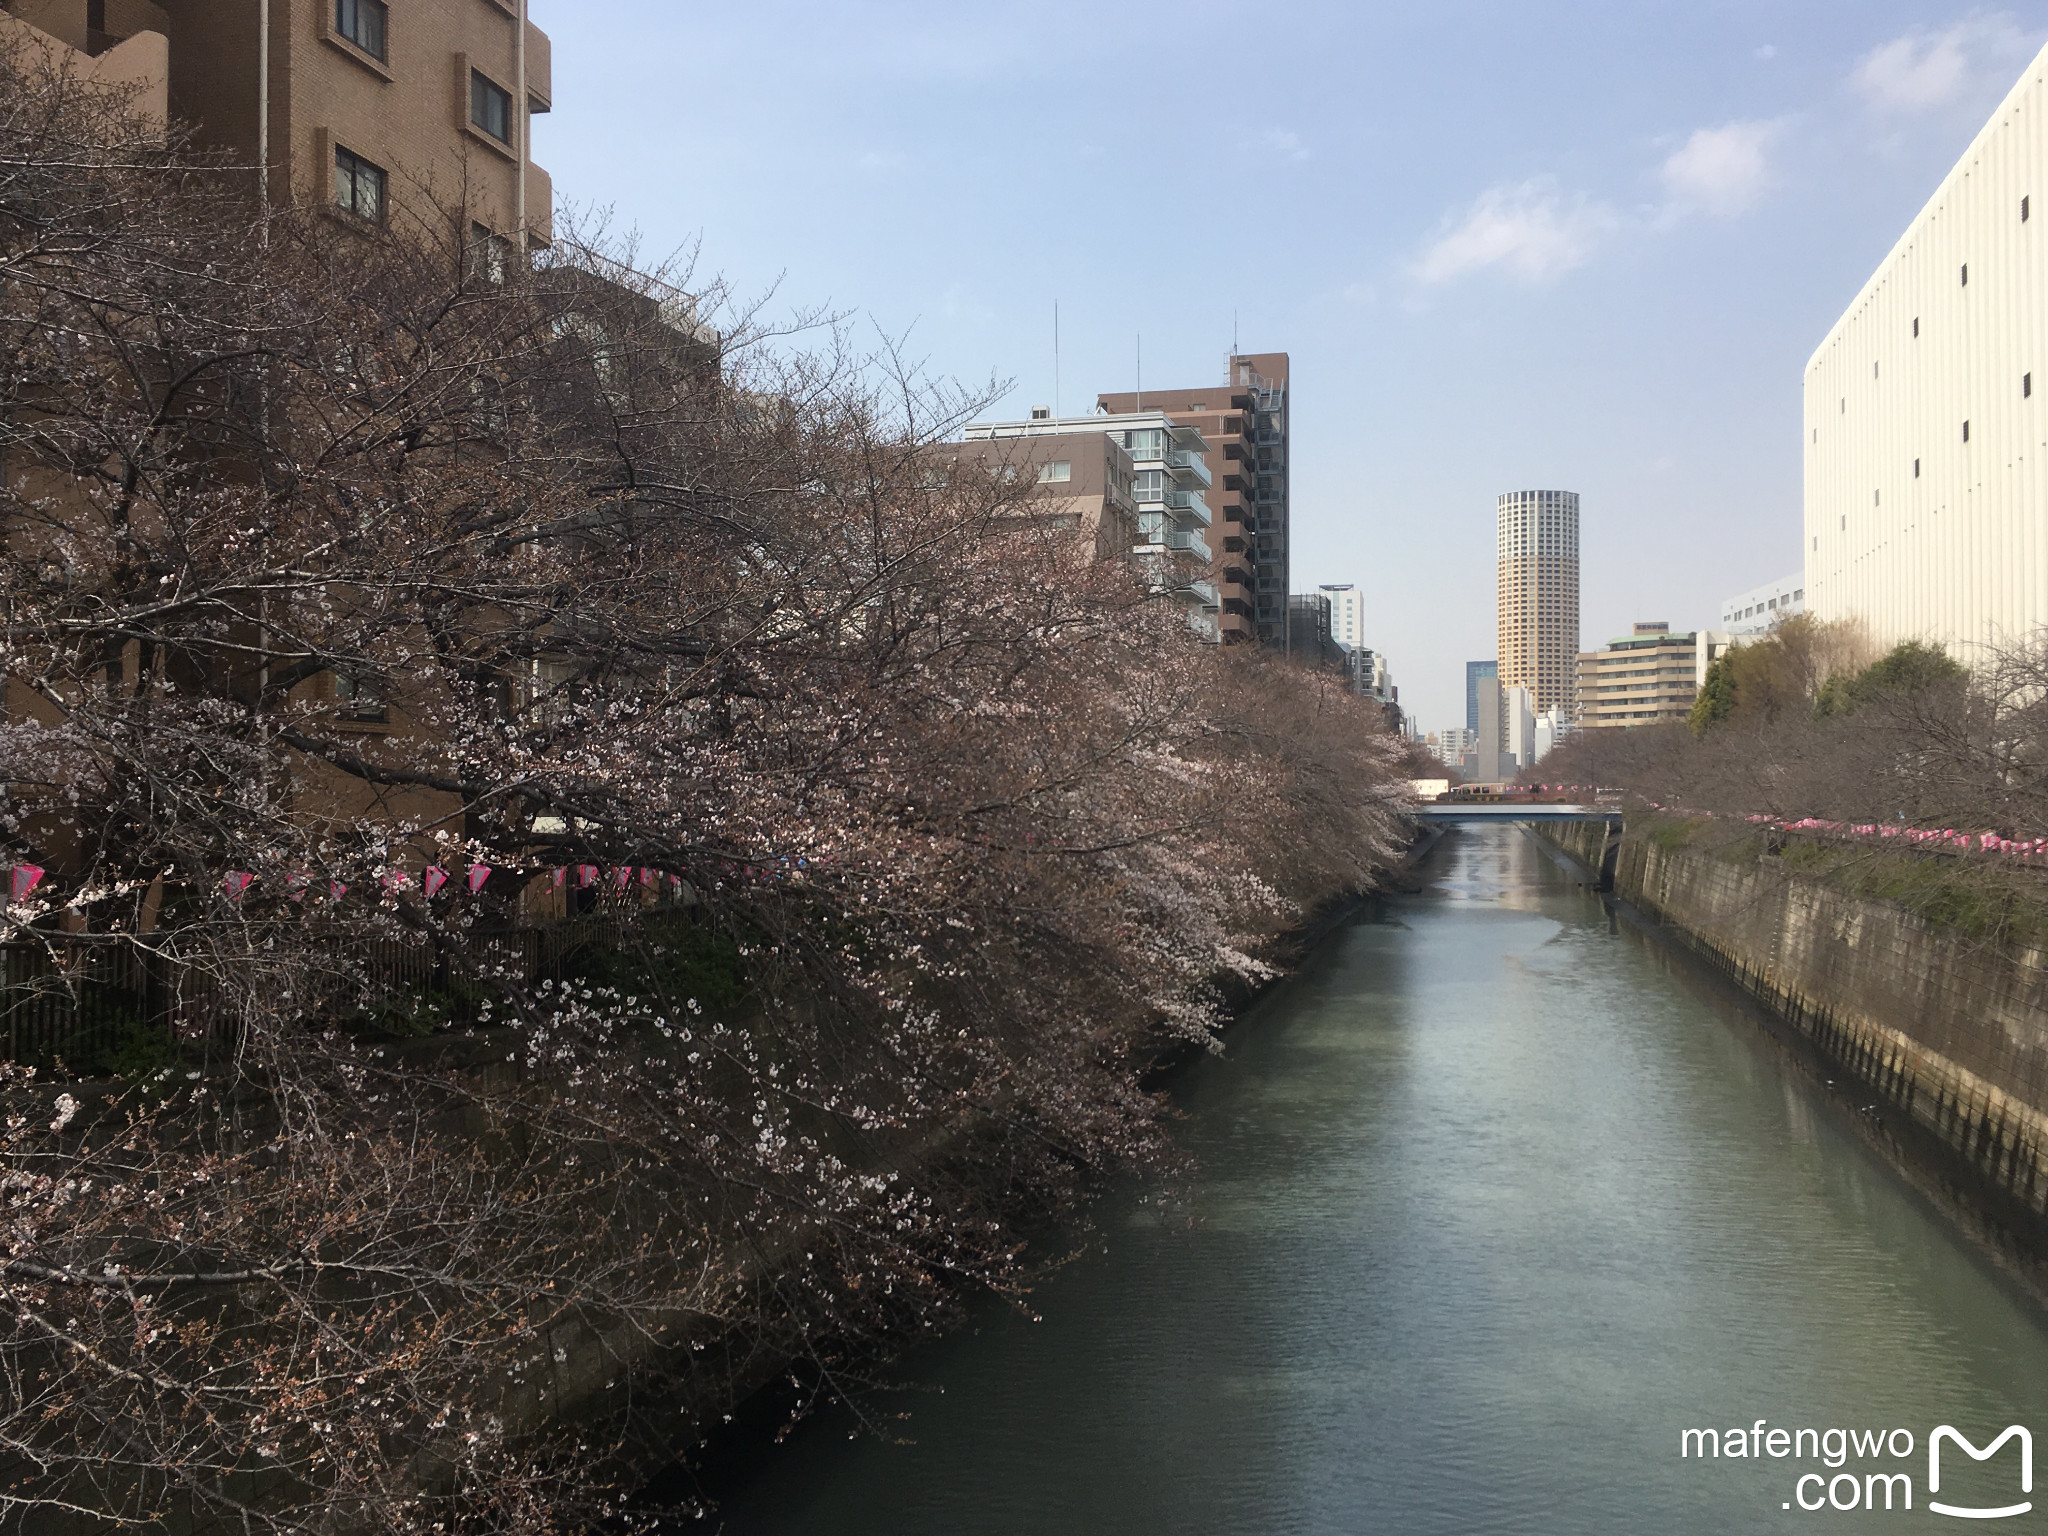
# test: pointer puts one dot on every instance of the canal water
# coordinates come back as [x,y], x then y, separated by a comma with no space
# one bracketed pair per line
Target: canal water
[1495,1201]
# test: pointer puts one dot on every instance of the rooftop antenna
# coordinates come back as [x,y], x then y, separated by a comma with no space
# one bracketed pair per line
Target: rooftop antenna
[1055,359]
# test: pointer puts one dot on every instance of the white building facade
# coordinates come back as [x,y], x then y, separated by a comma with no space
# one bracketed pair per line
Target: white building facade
[1347,614]
[1926,422]
[1755,611]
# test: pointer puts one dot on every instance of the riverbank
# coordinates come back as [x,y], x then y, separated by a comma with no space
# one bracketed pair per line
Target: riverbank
[1490,1202]
[1929,1020]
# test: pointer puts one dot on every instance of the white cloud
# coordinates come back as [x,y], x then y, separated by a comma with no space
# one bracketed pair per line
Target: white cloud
[1723,170]
[1529,229]
[1286,143]
[1924,70]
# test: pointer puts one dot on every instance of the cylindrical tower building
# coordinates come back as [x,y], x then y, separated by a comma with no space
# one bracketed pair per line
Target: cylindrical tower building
[1539,596]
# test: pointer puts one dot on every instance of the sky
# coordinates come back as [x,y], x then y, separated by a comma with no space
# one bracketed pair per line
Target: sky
[1509,244]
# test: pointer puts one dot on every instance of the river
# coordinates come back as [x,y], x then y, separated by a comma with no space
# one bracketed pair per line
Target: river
[1495,1200]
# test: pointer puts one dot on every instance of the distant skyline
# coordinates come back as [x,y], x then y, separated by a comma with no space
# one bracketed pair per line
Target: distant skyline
[1584,246]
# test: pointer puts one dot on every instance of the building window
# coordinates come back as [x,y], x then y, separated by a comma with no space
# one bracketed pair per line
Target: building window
[1916,469]
[362,23]
[1966,431]
[490,107]
[489,255]
[358,186]
[1061,470]
[1966,274]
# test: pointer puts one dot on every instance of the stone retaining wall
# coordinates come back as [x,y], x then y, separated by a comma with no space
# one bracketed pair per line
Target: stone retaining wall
[1935,1028]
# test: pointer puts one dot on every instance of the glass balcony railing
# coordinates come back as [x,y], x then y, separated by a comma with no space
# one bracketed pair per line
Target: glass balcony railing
[1183,542]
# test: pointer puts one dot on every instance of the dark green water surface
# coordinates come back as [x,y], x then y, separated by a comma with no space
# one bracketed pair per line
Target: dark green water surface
[1494,1202]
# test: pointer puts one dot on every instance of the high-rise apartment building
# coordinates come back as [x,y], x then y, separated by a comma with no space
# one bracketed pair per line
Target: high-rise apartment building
[402,115]
[1927,410]
[1244,422]
[1539,595]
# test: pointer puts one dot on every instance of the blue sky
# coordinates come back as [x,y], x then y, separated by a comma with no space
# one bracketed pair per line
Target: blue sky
[1585,246]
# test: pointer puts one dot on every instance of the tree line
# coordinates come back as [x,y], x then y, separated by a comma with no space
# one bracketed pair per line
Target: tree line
[330,557]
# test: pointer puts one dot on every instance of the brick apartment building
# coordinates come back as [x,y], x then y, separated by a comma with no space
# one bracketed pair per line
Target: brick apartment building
[1244,422]
[1083,480]
[391,114]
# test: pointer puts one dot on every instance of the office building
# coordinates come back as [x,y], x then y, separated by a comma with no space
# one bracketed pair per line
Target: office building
[1518,710]
[1648,677]
[1244,422]
[1347,614]
[1488,761]
[1927,410]
[1538,594]
[1453,745]
[1169,473]
[1755,611]
[1308,628]
[1474,672]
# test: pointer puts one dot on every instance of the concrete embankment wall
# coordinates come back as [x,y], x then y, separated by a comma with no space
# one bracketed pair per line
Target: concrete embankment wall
[1943,1036]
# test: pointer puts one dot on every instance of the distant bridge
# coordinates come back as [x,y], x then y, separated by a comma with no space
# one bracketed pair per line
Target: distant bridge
[1480,812]
[1508,810]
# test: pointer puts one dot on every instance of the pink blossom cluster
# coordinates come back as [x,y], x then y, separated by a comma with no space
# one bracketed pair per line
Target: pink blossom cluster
[1947,838]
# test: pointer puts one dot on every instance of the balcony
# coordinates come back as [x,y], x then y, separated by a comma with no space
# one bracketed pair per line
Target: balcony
[1188,462]
[540,70]
[1188,507]
[1182,542]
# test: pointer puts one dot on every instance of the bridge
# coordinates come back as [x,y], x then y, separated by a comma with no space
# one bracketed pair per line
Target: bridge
[1469,811]
[1481,812]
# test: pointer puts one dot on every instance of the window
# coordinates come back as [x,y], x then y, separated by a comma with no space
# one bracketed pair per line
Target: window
[1916,469]
[1966,274]
[489,255]
[1966,431]
[362,23]
[1916,325]
[1060,471]
[358,186]
[490,107]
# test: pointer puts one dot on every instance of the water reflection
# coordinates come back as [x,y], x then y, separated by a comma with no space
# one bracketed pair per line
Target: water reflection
[1494,1204]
